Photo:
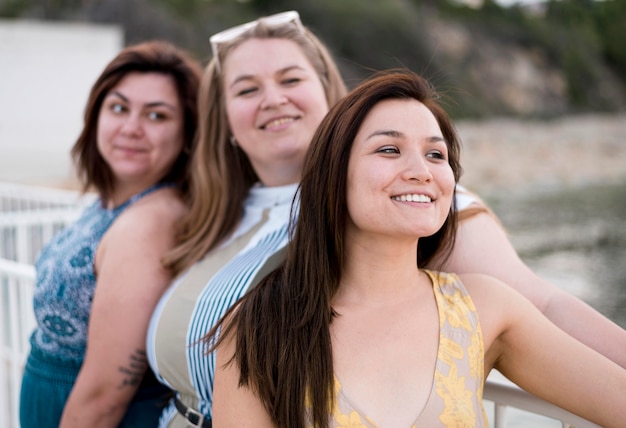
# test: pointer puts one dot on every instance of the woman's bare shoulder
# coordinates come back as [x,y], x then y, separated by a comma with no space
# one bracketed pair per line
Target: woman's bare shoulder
[155,214]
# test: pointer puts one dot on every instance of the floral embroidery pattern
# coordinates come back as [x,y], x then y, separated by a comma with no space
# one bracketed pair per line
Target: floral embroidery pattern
[457,314]
[457,399]
[353,420]
[475,353]
[450,351]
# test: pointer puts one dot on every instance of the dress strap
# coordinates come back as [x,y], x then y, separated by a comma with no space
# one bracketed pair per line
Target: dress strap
[140,195]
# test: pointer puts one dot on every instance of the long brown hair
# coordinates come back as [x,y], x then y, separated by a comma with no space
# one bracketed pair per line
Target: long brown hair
[221,173]
[283,344]
[154,56]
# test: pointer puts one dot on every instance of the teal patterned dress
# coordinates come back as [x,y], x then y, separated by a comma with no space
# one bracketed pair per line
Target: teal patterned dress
[64,291]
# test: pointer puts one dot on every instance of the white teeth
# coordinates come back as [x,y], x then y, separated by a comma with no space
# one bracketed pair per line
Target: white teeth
[278,122]
[412,198]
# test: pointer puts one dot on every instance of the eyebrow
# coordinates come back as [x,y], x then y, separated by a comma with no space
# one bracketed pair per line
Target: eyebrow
[148,105]
[436,139]
[281,71]
[397,134]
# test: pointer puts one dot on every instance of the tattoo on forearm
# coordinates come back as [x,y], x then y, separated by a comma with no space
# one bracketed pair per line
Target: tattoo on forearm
[133,373]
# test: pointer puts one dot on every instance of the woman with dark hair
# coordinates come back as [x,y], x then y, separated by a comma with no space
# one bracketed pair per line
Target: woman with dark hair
[352,331]
[100,278]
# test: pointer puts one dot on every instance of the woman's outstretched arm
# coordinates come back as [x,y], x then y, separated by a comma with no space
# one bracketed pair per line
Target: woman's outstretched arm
[482,246]
[532,352]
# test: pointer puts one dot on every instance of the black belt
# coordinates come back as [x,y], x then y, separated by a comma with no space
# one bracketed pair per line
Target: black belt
[194,417]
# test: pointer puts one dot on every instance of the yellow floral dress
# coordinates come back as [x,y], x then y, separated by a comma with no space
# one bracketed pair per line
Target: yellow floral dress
[456,395]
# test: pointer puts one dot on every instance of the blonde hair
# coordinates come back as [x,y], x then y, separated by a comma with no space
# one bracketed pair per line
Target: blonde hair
[221,174]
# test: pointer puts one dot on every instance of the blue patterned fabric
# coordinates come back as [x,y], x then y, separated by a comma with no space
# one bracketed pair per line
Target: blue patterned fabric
[63,295]
[66,282]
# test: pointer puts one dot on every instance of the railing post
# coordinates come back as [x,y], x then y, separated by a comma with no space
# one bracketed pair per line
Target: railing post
[5,406]
[16,283]
[15,343]
[21,232]
[499,415]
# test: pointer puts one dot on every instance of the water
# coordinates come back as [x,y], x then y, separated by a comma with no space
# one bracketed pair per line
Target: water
[575,238]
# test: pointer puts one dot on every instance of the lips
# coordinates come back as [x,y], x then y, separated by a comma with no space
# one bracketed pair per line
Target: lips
[128,149]
[277,123]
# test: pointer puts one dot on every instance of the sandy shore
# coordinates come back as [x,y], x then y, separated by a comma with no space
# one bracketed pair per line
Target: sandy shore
[506,155]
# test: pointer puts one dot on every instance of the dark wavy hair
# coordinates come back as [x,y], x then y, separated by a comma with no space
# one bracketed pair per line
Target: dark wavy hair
[148,57]
[281,327]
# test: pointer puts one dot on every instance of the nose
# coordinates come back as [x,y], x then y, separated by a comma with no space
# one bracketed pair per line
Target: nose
[273,96]
[417,169]
[132,125]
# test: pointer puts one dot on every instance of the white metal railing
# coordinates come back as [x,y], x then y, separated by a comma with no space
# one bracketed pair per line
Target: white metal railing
[16,296]
[506,395]
[23,234]
[30,216]
[20,197]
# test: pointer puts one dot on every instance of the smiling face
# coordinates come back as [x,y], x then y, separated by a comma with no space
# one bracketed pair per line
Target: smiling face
[274,103]
[399,180]
[140,129]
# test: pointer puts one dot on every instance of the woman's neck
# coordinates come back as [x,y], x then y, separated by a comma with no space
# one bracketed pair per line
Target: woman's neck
[379,272]
[281,174]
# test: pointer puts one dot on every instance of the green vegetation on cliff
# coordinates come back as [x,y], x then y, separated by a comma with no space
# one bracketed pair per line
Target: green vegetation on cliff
[562,56]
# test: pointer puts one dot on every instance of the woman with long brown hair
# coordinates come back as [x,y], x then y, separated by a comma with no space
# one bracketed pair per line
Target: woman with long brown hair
[352,331]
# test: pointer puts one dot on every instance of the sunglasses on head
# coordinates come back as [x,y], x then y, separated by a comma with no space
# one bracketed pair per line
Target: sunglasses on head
[232,33]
